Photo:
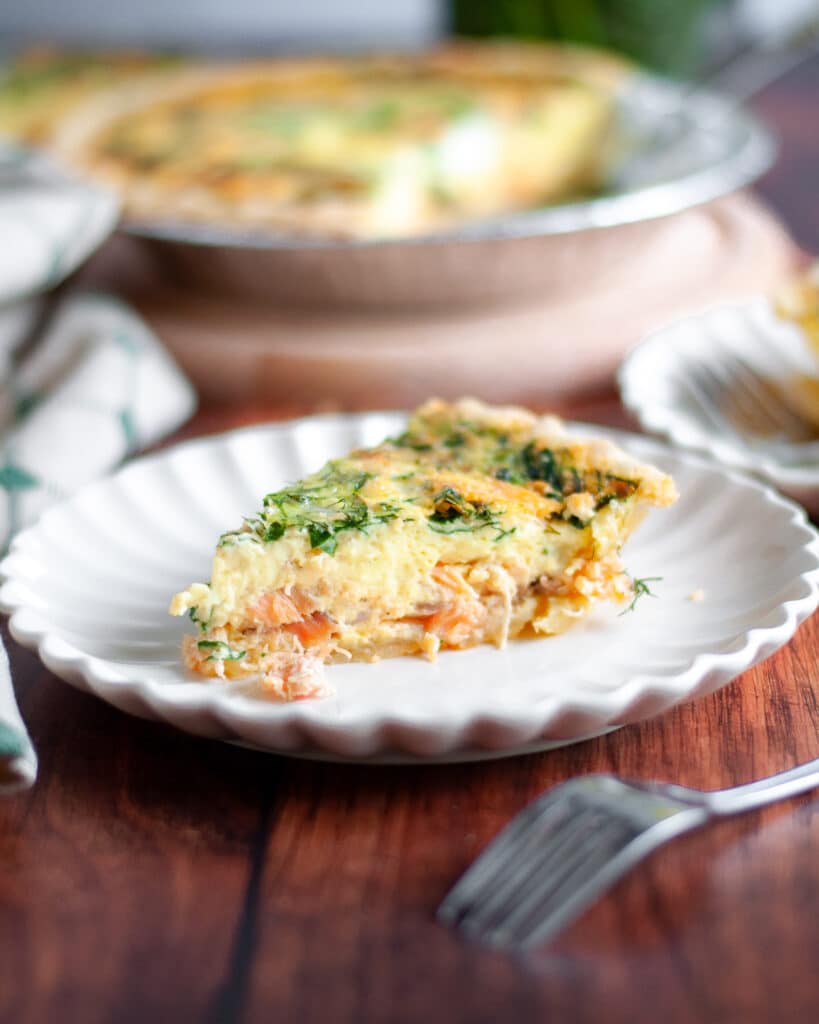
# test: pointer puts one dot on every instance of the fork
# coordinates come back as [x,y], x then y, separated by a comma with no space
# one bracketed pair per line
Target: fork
[737,399]
[571,844]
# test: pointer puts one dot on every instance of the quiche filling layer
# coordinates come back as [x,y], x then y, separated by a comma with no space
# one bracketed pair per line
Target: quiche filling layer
[360,146]
[476,525]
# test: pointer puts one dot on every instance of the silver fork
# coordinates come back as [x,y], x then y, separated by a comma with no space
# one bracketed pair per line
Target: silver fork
[571,844]
[735,394]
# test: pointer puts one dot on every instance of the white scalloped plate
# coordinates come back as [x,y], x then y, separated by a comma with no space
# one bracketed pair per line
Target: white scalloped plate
[88,588]
[657,384]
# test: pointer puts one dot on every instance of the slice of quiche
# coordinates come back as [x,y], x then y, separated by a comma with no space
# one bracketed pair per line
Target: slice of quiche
[475,525]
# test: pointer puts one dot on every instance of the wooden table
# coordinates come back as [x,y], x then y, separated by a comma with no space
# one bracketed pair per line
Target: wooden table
[150,876]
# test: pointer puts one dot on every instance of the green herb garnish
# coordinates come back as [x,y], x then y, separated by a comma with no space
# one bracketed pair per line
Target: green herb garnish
[454,514]
[234,537]
[220,651]
[541,464]
[379,118]
[194,617]
[641,589]
[408,440]
[323,506]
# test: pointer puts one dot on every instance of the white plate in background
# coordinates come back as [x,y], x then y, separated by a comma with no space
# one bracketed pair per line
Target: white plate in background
[657,384]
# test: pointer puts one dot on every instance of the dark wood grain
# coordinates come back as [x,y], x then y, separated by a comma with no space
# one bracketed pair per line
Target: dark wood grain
[152,876]
[680,933]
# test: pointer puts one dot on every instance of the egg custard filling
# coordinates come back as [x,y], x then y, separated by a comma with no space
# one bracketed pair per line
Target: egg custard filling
[361,147]
[475,525]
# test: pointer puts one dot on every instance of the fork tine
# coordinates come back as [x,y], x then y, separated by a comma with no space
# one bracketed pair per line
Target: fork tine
[564,896]
[570,847]
[750,417]
[705,395]
[491,865]
[563,852]
[758,402]
[586,892]
[734,397]
[730,396]
[523,868]
[752,396]
[768,396]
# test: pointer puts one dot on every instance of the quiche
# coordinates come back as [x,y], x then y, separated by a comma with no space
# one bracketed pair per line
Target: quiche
[356,147]
[43,85]
[799,301]
[475,525]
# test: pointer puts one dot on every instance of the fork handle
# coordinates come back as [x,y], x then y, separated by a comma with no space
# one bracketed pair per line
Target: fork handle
[765,791]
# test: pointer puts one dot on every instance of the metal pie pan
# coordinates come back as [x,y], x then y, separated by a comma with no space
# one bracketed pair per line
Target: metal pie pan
[676,149]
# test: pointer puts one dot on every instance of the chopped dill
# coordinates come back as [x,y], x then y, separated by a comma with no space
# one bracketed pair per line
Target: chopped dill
[408,440]
[220,651]
[323,506]
[454,514]
[194,617]
[641,589]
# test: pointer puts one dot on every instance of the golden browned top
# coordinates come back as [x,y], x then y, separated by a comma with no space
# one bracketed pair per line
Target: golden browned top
[466,483]
[372,145]
[42,85]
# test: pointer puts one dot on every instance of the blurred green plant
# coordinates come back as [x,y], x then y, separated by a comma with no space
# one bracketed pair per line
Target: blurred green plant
[667,35]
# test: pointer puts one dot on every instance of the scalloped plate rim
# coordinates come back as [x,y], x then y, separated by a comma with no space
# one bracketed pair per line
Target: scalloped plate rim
[682,430]
[466,738]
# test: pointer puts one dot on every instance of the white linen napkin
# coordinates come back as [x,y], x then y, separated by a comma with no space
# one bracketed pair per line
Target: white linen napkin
[50,222]
[97,387]
[18,760]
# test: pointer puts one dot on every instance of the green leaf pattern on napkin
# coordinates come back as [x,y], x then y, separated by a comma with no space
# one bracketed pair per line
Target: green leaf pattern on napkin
[97,388]
[12,742]
[50,222]
[13,479]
